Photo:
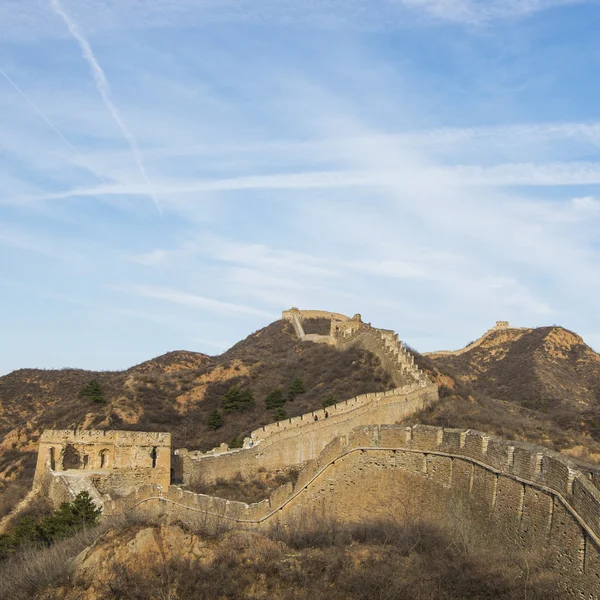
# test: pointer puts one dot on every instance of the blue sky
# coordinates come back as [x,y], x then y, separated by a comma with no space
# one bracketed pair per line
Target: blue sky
[175,173]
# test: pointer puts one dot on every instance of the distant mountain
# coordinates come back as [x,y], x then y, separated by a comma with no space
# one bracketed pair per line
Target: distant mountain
[540,384]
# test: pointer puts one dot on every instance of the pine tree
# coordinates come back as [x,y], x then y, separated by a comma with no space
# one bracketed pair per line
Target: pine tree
[280,414]
[83,511]
[246,400]
[296,388]
[215,420]
[231,399]
[92,391]
[274,400]
[238,399]
[62,523]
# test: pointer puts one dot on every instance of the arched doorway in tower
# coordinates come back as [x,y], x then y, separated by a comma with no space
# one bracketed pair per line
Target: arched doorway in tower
[52,458]
[71,458]
[104,459]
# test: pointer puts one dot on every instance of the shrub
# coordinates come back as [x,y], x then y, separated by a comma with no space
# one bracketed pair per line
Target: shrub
[215,420]
[236,442]
[92,391]
[329,401]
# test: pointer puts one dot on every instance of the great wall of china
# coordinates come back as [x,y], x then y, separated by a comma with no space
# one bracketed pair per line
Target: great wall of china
[356,459]
[500,326]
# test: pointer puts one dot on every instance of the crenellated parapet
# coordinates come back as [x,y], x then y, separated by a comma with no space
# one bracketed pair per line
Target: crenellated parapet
[112,461]
[512,493]
[499,326]
[346,332]
[292,442]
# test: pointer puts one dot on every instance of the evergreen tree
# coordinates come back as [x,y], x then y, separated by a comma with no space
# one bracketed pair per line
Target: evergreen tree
[62,523]
[238,399]
[231,399]
[280,414]
[246,401]
[215,420]
[296,388]
[92,391]
[274,400]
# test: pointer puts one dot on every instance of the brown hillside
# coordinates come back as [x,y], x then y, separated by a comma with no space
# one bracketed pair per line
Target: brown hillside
[175,392]
[315,559]
[540,385]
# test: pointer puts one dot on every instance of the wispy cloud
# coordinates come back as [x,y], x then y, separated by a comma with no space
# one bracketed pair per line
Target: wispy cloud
[104,91]
[523,174]
[435,179]
[29,242]
[371,15]
[195,301]
[55,129]
[478,11]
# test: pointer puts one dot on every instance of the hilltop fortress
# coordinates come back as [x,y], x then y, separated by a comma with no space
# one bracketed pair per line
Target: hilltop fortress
[356,459]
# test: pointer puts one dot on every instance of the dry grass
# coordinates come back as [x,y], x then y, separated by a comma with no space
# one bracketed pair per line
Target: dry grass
[246,490]
[33,570]
[376,560]
[502,402]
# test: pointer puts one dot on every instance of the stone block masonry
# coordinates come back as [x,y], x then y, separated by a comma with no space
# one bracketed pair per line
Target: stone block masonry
[115,462]
[511,492]
[297,440]
[294,441]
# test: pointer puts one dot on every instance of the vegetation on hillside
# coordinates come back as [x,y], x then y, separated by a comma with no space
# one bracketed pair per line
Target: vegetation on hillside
[62,523]
[92,391]
[315,558]
[540,385]
[201,400]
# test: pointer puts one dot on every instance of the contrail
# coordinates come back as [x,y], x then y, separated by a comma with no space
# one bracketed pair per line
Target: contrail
[52,126]
[103,89]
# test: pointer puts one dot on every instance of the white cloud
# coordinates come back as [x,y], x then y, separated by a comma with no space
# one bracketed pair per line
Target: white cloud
[50,248]
[477,11]
[24,19]
[586,204]
[195,301]
[104,90]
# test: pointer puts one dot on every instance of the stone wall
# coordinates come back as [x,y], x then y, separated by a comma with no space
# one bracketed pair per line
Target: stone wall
[499,326]
[515,493]
[339,323]
[294,441]
[115,461]
[297,440]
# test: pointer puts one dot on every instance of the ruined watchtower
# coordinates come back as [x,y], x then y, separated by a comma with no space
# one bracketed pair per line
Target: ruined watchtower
[114,462]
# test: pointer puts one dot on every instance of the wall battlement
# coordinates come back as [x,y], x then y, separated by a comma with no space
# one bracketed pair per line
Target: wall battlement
[517,493]
[346,332]
[293,441]
[122,438]
[115,461]
[499,326]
